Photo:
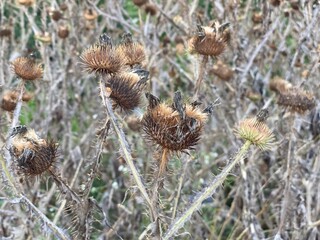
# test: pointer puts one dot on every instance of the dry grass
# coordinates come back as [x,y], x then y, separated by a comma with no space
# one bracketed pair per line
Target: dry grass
[105,184]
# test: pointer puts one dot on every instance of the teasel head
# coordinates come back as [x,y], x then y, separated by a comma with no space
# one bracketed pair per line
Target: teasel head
[27,69]
[210,40]
[297,100]
[102,58]
[125,89]
[256,131]
[132,52]
[32,155]
[173,128]
[10,99]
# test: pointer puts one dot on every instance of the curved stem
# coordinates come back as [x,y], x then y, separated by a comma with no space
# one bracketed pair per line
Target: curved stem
[218,180]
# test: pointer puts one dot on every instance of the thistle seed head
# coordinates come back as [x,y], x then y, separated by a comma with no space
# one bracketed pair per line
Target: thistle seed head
[210,40]
[101,58]
[10,98]
[133,53]
[297,100]
[255,131]
[126,89]
[32,154]
[27,69]
[177,127]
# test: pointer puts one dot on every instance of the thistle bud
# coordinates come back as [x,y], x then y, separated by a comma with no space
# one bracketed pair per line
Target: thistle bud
[255,131]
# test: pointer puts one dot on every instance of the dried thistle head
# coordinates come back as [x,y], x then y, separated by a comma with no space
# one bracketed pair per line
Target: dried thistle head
[32,154]
[140,3]
[175,127]
[210,40]
[126,88]
[10,98]
[151,9]
[27,69]
[63,32]
[5,32]
[222,71]
[27,3]
[132,52]
[256,131]
[102,58]
[279,85]
[297,100]
[90,14]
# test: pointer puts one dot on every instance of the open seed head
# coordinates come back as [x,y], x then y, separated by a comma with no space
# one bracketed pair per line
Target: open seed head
[210,40]
[177,127]
[126,89]
[27,69]
[32,154]
[102,58]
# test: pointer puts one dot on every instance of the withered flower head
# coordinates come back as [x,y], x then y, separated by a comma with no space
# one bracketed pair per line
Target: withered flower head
[210,41]
[63,32]
[102,58]
[126,88]
[222,71]
[256,131]
[90,14]
[132,52]
[27,3]
[27,69]
[139,3]
[10,99]
[175,127]
[297,100]
[279,85]
[5,32]
[32,154]
[150,8]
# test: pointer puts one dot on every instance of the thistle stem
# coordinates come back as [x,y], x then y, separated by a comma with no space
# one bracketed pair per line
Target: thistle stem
[124,146]
[218,180]
[202,71]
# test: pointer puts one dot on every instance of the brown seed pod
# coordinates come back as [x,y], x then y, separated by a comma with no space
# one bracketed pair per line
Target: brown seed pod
[5,32]
[297,100]
[10,98]
[63,32]
[279,85]
[90,14]
[222,71]
[32,155]
[275,2]
[151,9]
[257,17]
[55,14]
[125,89]
[139,3]
[132,52]
[27,69]
[210,41]
[102,58]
